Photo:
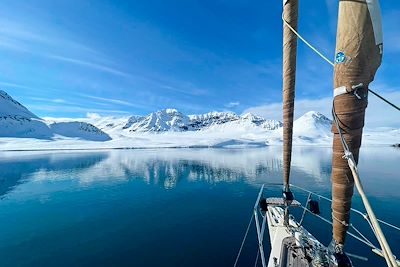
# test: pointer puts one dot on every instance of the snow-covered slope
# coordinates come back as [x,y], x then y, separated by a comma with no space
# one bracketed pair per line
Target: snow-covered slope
[312,125]
[203,121]
[17,121]
[172,120]
[260,121]
[160,121]
[164,128]
[9,106]
[223,120]
[83,130]
[313,128]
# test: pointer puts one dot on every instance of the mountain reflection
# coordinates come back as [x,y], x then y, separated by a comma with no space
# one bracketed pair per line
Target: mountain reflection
[18,167]
[169,167]
[163,167]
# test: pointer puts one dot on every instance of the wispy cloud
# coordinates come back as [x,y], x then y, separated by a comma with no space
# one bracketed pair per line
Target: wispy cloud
[14,85]
[113,101]
[55,100]
[88,64]
[184,88]
[72,109]
[17,32]
[14,37]
[232,104]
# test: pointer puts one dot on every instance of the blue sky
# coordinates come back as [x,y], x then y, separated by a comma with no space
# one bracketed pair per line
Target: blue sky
[68,58]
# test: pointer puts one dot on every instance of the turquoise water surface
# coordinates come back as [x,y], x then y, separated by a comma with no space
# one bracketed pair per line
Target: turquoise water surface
[167,207]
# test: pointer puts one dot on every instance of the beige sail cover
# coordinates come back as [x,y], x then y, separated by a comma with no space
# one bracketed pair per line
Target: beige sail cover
[290,15]
[358,56]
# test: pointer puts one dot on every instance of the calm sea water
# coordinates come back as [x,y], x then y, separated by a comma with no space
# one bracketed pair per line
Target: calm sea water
[170,207]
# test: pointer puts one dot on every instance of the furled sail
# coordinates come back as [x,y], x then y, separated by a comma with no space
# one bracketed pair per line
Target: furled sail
[290,15]
[358,55]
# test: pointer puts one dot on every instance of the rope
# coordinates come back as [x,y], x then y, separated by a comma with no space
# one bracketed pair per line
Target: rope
[379,234]
[360,234]
[384,99]
[244,240]
[389,224]
[381,237]
[330,62]
[387,252]
[352,209]
[306,42]
[258,255]
[367,243]
[348,155]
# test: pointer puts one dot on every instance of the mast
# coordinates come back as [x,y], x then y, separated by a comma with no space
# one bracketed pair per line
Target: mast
[290,15]
[358,56]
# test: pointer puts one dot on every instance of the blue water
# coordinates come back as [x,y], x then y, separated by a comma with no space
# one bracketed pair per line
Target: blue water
[167,207]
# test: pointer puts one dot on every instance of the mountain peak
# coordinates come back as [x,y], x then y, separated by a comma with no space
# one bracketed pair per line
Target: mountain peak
[169,111]
[315,116]
[11,107]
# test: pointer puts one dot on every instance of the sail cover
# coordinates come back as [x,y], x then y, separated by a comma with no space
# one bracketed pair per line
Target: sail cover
[358,55]
[290,15]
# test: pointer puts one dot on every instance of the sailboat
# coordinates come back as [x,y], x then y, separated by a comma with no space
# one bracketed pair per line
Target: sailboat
[359,48]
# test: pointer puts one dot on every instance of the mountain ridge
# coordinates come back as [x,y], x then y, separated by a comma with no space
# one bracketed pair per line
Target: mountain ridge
[16,117]
[164,128]
[17,121]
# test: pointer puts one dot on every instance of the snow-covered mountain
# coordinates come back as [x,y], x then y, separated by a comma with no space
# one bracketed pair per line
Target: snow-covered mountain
[83,130]
[199,122]
[17,121]
[171,120]
[164,128]
[311,128]
[312,125]
[160,121]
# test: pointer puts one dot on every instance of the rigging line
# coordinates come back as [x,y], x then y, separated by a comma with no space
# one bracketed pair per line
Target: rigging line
[258,255]
[389,224]
[351,225]
[244,240]
[330,62]
[389,257]
[360,234]
[372,246]
[304,212]
[306,42]
[383,99]
[352,209]
[348,156]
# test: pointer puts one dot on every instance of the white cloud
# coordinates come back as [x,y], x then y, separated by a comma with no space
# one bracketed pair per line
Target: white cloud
[378,114]
[15,37]
[93,115]
[88,64]
[72,109]
[113,101]
[232,104]
[56,100]
[16,85]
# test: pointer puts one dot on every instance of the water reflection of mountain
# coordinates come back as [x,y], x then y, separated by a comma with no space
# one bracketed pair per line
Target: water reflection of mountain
[17,167]
[168,167]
